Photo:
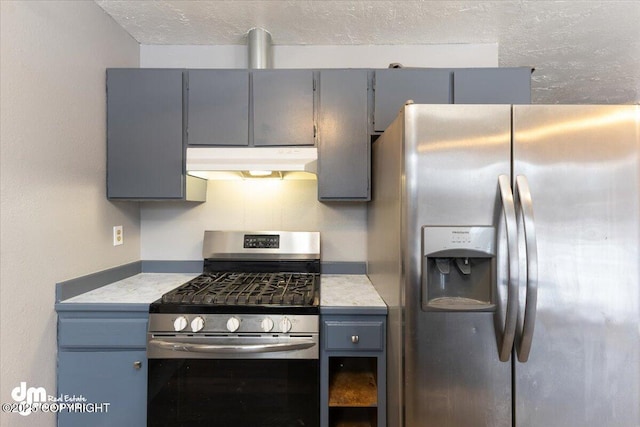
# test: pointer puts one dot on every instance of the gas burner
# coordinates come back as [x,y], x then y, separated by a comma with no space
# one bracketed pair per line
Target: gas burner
[237,288]
[269,272]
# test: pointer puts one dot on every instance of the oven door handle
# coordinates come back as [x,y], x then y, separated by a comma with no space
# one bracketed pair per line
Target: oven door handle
[231,348]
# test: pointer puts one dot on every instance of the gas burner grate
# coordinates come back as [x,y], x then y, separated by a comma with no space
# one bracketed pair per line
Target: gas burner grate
[293,289]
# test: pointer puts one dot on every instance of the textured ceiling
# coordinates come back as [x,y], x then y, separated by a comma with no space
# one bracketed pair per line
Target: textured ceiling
[583,51]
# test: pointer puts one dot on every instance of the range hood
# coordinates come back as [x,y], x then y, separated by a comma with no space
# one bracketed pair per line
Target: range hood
[205,162]
[245,159]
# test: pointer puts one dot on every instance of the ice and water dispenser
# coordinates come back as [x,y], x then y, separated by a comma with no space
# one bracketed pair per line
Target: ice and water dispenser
[458,268]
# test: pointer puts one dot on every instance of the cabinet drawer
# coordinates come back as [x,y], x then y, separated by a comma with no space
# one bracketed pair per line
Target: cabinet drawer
[116,333]
[341,335]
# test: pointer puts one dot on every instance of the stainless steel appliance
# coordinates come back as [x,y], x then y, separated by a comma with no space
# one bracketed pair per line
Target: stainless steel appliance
[505,240]
[238,345]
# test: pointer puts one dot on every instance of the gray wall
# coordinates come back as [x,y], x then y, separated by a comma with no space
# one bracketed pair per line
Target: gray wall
[56,222]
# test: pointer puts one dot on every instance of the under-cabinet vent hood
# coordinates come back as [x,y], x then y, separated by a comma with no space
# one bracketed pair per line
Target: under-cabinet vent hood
[282,159]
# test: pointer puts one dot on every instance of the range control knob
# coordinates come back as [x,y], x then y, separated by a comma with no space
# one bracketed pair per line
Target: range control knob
[180,323]
[197,324]
[285,325]
[233,324]
[266,324]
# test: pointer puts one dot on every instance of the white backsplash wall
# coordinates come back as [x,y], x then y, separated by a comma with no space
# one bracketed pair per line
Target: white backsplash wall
[173,231]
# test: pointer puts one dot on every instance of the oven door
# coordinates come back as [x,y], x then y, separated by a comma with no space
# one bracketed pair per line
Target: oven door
[239,381]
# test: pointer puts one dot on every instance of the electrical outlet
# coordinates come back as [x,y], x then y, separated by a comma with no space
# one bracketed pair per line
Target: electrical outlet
[118,235]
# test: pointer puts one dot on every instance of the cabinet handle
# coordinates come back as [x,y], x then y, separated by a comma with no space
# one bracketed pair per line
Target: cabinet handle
[137,364]
[355,339]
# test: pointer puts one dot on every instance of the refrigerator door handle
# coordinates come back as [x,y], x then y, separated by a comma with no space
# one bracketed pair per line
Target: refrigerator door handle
[528,320]
[508,209]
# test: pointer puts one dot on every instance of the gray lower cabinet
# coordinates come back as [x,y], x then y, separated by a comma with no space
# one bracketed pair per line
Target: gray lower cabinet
[509,85]
[145,149]
[102,361]
[343,138]
[218,107]
[394,86]
[283,107]
[353,371]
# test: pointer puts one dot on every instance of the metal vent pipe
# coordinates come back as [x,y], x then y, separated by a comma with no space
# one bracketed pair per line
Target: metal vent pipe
[260,49]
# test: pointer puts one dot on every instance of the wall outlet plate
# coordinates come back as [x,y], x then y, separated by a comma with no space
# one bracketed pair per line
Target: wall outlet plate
[118,235]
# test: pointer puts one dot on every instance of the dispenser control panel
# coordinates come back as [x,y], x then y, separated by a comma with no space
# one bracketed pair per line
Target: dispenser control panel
[460,236]
[478,239]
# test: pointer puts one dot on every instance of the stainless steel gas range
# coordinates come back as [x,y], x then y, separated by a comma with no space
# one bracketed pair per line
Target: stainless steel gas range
[238,345]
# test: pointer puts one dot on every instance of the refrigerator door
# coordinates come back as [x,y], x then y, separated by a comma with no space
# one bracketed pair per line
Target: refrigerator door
[453,156]
[582,166]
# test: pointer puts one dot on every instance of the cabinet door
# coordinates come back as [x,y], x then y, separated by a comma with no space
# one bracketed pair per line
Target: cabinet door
[218,112]
[283,107]
[492,86]
[353,371]
[393,87]
[111,377]
[145,155]
[343,140]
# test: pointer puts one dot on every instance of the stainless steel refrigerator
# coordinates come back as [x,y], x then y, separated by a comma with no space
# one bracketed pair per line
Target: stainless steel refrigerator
[505,241]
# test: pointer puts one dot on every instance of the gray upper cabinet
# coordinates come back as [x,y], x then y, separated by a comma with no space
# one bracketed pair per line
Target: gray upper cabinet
[343,138]
[393,87]
[152,114]
[492,86]
[218,107]
[145,150]
[283,107]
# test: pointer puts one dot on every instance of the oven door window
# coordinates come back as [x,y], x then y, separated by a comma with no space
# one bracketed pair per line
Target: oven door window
[233,392]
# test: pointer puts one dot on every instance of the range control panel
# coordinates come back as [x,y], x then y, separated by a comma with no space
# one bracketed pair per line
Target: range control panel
[255,243]
[261,241]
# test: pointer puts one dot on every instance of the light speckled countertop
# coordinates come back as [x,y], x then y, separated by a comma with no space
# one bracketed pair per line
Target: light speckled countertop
[142,288]
[348,290]
[337,291]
